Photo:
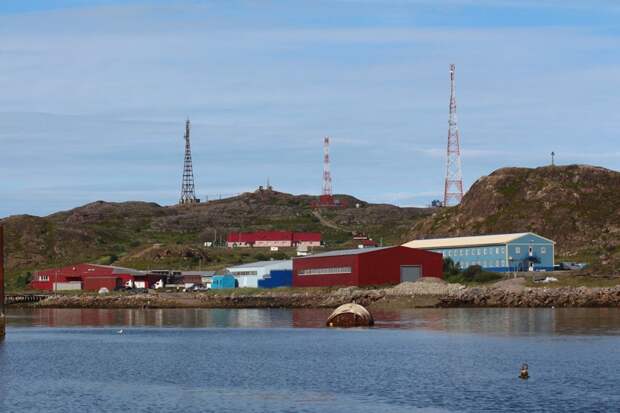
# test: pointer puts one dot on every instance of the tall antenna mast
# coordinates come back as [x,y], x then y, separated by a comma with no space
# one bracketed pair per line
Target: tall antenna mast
[453,189]
[188,194]
[327,176]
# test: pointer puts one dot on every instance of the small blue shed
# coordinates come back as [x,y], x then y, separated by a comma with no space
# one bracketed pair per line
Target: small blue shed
[277,278]
[223,281]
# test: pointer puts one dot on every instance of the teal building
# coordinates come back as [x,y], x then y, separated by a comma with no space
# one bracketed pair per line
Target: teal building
[499,253]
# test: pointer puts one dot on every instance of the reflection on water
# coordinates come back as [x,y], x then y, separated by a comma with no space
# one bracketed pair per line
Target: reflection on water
[479,320]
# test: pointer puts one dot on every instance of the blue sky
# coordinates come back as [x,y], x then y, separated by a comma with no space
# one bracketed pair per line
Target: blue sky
[94,94]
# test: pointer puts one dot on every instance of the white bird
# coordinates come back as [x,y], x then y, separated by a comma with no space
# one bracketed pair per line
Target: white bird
[120,331]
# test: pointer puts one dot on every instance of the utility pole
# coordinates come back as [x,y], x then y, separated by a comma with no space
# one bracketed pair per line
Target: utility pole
[552,158]
[453,187]
[188,193]
[327,176]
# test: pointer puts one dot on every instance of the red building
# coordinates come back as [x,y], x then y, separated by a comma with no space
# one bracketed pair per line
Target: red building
[366,266]
[273,239]
[90,277]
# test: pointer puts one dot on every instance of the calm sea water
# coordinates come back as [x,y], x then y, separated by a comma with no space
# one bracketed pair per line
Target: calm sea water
[280,361]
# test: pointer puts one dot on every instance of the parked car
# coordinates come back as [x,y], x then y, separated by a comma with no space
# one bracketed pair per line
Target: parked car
[573,265]
[196,287]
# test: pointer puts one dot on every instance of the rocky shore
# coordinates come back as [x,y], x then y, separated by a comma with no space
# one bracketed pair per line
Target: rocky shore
[533,297]
[425,293]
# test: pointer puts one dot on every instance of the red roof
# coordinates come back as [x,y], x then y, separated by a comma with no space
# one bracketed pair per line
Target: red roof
[252,237]
[307,236]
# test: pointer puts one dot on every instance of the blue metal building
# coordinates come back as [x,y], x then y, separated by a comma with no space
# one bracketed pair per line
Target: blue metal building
[277,278]
[223,281]
[500,253]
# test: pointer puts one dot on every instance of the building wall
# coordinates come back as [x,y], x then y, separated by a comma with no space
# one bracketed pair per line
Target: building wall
[95,283]
[520,250]
[342,261]
[223,281]
[490,257]
[277,278]
[370,268]
[45,279]
[505,257]
[383,266]
[282,243]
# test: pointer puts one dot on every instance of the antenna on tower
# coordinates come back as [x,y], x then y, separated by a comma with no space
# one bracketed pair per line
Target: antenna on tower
[327,176]
[453,189]
[188,194]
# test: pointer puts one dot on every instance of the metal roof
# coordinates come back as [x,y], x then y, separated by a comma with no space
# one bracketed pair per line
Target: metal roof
[261,264]
[468,241]
[338,253]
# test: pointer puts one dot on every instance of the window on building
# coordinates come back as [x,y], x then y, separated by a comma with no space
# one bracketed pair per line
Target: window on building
[327,270]
[478,251]
[503,250]
[518,250]
[484,251]
[245,273]
[497,263]
[543,250]
[503,263]
[497,250]
[466,252]
[461,252]
[44,278]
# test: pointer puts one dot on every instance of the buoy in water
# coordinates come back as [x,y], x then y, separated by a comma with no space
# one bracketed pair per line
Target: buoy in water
[350,315]
[524,374]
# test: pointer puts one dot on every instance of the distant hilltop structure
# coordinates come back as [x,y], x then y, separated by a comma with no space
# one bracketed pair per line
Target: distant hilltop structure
[188,190]
[327,199]
[453,187]
[274,239]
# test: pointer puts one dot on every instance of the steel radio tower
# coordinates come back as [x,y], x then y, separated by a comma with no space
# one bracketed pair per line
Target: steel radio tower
[453,189]
[327,176]
[188,194]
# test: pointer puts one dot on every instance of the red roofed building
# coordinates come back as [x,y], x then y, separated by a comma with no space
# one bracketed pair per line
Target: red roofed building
[273,239]
[90,277]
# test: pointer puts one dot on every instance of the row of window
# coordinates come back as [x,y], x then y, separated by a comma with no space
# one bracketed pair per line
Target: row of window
[322,271]
[245,273]
[484,263]
[44,277]
[464,252]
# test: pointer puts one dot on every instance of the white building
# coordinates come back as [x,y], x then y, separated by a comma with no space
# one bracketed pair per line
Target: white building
[247,275]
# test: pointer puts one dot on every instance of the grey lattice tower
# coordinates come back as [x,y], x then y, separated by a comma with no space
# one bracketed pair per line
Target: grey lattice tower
[188,193]
[453,188]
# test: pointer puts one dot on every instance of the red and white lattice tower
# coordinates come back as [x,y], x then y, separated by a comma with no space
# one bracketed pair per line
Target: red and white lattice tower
[327,176]
[453,189]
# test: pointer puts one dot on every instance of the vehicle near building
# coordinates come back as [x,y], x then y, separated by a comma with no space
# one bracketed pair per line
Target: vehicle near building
[366,266]
[498,253]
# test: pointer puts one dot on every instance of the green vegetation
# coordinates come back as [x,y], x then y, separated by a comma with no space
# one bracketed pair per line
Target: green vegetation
[472,274]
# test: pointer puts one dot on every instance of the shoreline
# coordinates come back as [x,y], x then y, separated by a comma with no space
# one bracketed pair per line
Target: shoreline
[407,295]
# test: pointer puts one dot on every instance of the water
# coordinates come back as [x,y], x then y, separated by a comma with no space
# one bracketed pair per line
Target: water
[278,361]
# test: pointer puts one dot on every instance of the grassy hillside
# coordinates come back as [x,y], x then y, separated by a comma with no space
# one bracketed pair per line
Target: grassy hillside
[578,206]
[146,235]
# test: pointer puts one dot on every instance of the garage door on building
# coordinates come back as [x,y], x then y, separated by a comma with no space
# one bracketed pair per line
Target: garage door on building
[410,272]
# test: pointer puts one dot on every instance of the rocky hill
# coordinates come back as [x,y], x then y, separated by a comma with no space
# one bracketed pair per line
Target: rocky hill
[147,235]
[578,206]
